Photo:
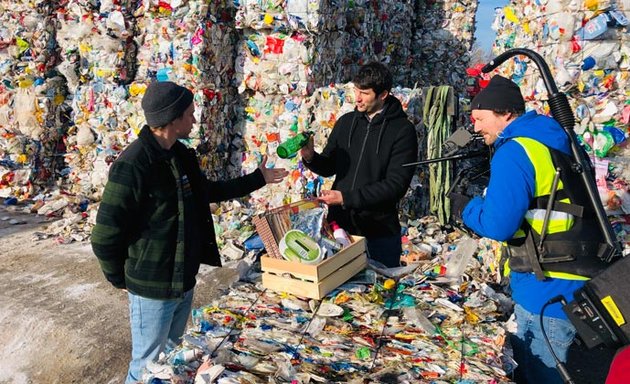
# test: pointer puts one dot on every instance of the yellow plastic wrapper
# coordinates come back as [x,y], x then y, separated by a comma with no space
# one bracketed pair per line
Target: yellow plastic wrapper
[510,15]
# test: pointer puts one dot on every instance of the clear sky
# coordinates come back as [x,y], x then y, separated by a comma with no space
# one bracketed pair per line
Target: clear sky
[485,16]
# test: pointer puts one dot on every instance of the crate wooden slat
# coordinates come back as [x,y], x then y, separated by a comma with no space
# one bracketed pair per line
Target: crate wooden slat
[314,280]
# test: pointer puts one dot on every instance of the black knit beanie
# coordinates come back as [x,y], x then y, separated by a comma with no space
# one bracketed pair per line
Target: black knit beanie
[164,101]
[500,94]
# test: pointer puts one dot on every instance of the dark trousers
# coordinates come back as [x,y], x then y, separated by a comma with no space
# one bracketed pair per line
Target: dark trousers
[386,250]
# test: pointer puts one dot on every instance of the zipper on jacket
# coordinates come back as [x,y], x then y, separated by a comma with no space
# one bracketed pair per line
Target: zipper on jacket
[356,171]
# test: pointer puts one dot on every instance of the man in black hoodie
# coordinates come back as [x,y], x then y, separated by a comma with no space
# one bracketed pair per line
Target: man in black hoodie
[365,151]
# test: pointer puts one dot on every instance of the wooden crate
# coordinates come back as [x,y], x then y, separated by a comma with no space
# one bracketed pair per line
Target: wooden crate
[273,224]
[314,280]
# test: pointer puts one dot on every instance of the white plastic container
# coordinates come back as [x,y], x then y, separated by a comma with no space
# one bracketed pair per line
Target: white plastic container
[340,235]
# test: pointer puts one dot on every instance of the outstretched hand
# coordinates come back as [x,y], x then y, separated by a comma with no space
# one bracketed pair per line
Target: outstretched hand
[331,197]
[272,175]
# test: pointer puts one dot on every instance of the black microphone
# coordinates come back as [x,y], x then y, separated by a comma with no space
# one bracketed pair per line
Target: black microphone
[459,139]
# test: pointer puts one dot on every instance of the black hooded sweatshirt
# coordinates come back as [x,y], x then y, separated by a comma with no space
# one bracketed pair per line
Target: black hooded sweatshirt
[367,157]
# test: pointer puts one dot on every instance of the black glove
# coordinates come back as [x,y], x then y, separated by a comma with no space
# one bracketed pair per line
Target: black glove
[458,203]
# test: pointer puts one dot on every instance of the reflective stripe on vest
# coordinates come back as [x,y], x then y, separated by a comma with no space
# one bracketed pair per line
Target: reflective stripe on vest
[545,171]
[555,275]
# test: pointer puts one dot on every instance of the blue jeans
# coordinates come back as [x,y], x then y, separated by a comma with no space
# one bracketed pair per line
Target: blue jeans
[386,250]
[535,362]
[154,323]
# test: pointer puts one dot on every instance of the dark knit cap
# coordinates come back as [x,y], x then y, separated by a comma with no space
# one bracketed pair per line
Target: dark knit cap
[501,94]
[164,101]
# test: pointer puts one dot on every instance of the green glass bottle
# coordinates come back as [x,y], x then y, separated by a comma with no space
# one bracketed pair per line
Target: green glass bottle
[290,147]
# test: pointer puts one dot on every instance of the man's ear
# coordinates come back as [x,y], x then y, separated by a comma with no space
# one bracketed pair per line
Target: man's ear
[383,95]
[509,117]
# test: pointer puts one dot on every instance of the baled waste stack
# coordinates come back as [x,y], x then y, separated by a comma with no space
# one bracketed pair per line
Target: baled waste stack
[111,54]
[32,114]
[288,51]
[246,105]
[97,53]
[136,45]
[98,57]
[192,43]
[586,47]
[442,42]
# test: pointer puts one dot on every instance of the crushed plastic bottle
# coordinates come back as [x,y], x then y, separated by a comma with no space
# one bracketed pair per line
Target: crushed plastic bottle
[458,259]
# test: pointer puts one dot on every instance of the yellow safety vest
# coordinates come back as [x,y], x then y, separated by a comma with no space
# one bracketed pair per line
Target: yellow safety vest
[545,171]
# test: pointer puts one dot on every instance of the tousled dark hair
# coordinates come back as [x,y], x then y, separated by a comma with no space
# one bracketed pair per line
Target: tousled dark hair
[514,111]
[375,76]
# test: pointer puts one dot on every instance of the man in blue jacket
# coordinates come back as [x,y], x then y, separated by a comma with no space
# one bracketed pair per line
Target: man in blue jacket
[365,151]
[522,170]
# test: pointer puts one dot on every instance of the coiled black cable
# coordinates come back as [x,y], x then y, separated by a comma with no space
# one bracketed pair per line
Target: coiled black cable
[561,110]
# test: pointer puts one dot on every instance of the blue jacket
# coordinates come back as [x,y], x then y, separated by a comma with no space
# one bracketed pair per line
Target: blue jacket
[499,214]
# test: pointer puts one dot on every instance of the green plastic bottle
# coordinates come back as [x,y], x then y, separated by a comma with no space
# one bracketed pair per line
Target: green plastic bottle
[290,147]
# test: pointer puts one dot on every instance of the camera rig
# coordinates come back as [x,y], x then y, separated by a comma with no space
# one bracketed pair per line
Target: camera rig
[598,310]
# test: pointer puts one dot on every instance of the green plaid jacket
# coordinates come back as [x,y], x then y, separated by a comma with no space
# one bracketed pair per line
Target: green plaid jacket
[142,233]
